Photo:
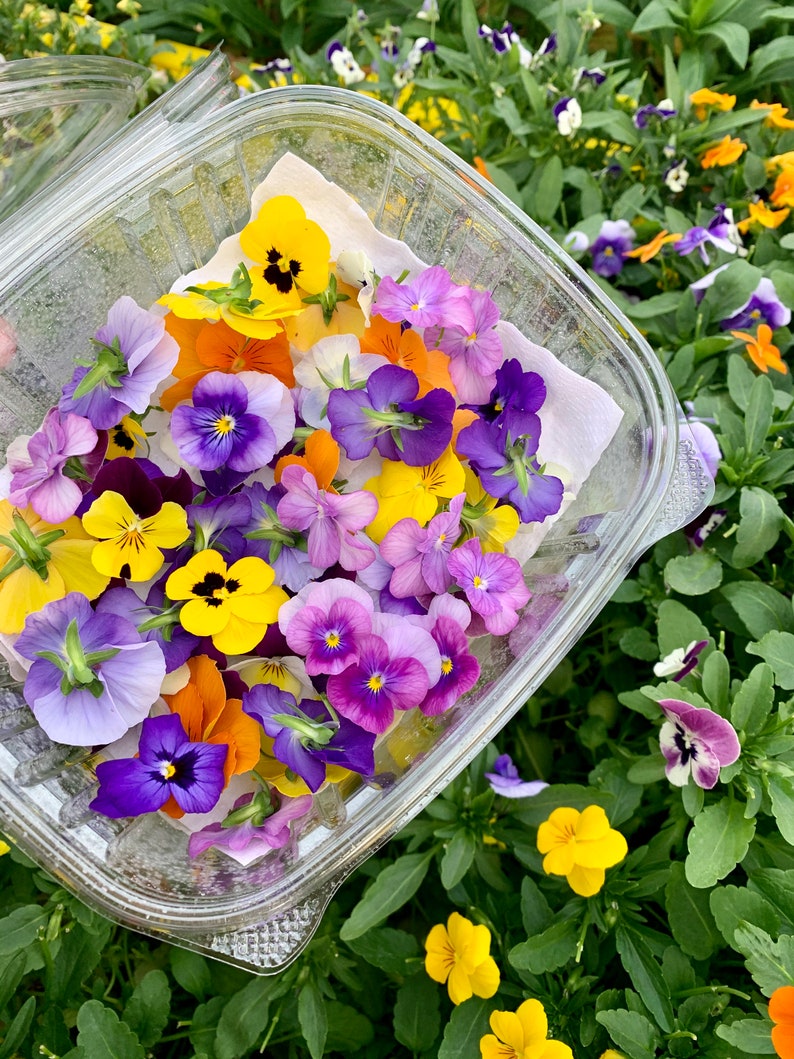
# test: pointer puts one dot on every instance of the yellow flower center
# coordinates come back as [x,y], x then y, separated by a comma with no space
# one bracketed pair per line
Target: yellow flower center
[332,639]
[446,665]
[224,425]
[415,307]
[478,581]
[375,682]
[755,313]
[167,770]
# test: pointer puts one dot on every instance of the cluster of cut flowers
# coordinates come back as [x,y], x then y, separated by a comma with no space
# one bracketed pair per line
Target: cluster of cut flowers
[264,518]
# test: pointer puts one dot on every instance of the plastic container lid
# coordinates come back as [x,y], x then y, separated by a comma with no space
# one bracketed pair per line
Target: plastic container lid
[166,217]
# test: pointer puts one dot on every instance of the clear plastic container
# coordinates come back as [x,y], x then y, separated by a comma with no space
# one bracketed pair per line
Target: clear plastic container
[166,218]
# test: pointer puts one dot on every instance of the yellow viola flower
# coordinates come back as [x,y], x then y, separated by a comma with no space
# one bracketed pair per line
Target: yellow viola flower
[761,350]
[610,1053]
[459,954]
[760,213]
[4,848]
[580,846]
[776,116]
[129,546]
[233,605]
[127,439]
[705,98]
[484,517]
[176,59]
[726,152]
[294,250]
[247,309]
[272,671]
[413,492]
[40,563]
[783,191]
[652,248]
[522,1034]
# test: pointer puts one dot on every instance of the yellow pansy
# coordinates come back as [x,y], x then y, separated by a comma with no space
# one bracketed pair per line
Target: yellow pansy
[484,517]
[413,492]
[580,846]
[257,314]
[130,545]
[127,439]
[294,250]
[760,213]
[776,115]
[522,1034]
[726,152]
[706,98]
[459,954]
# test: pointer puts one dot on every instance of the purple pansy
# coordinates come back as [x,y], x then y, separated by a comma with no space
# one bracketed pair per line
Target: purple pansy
[475,353]
[93,676]
[696,239]
[135,355]
[492,582]
[167,764]
[331,520]
[680,662]
[514,390]
[460,670]
[325,623]
[419,554]
[431,300]
[663,111]
[610,246]
[705,524]
[696,742]
[307,737]
[763,307]
[37,473]
[595,75]
[568,115]
[506,781]
[258,822]
[237,421]
[387,415]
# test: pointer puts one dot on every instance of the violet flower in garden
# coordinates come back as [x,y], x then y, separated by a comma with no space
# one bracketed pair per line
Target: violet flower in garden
[762,307]
[696,239]
[167,765]
[237,421]
[609,248]
[696,742]
[386,415]
[430,300]
[662,111]
[493,584]
[568,115]
[307,737]
[93,676]
[680,662]
[325,622]
[135,355]
[37,472]
[259,822]
[506,781]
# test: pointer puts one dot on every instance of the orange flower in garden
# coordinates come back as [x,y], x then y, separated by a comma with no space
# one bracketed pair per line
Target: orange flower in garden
[206,347]
[727,151]
[762,352]
[320,458]
[783,191]
[459,954]
[580,846]
[652,248]
[705,98]
[522,1034]
[407,350]
[209,717]
[776,118]
[761,214]
[781,1012]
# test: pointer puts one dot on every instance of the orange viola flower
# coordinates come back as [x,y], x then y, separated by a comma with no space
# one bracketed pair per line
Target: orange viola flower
[209,717]
[206,347]
[776,118]
[761,350]
[652,248]
[320,458]
[727,151]
[760,213]
[407,350]
[781,1012]
[783,192]
[705,98]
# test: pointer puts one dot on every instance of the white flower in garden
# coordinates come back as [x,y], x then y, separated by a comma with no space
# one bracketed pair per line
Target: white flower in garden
[568,115]
[677,177]
[344,63]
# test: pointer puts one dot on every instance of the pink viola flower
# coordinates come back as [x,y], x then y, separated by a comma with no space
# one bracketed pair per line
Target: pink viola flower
[493,584]
[447,621]
[431,300]
[696,742]
[475,353]
[37,470]
[258,823]
[420,554]
[325,622]
[331,520]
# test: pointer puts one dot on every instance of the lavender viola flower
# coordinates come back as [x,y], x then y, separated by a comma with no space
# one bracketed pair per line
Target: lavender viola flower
[431,300]
[307,737]
[93,676]
[135,355]
[515,390]
[609,248]
[696,239]
[325,622]
[419,554]
[506,781]
[763,307]
[237,421]
[680,662]
[493,584]
[259,822]
[568,115]
[37,473]
[219,523]
[723,224]
[697,743]
[388,416]
[663,111]
[282,548]
[331,519]
[474,353]
[168,765]
[594,76]
[503,455]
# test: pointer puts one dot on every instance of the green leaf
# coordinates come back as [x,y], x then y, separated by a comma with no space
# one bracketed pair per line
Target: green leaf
[688,911]
[388,949]
[614,124]
[393,887]
[751,1036]
[631,1032]
[12,970]
[244,1019]
[458,857]
[735,37]
[759,528]
[716,680]
[655,306]
[204,1025]
[313,1019]
[540,807]
[645,974]
[103,1036]
[548,190]
[546,951]
[636,642]
[773,62]
[758,415]
[416,1015]
[771,963]
[15,1034]
[734,286]
[762,609]
[147,1010]
[754,699]
[21,928]
[695,574]
[648,769]
[740,376]
[191,971]
[781,791]
[348,1029]
[535,912]
[77,957]
[732,906]
[718,841]
[777,649]
[654,16]
[678,626]
[467,1024]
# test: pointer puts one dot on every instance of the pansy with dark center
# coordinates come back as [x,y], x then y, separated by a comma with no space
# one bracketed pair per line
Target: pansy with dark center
[695,742]
[515,390]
